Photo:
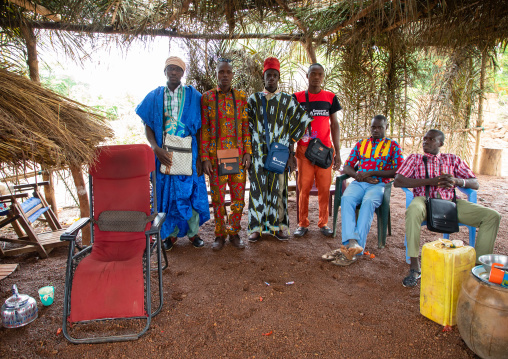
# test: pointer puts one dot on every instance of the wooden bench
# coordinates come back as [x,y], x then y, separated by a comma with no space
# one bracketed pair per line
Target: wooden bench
[7,269]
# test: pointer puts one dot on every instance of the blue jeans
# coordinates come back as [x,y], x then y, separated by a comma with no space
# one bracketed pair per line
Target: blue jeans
[370,196]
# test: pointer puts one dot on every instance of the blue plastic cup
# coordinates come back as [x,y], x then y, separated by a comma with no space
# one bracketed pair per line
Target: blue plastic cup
[47,294]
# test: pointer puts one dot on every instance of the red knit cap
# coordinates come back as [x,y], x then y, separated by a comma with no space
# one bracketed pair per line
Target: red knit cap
[271,63]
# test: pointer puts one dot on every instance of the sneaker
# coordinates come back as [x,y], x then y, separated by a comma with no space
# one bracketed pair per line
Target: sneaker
[301,231]
[412,279]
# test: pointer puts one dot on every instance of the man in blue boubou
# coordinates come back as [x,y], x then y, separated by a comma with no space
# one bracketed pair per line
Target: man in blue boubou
[175,110]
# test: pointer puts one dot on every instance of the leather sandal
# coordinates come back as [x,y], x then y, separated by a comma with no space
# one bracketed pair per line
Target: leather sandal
[281,236]
[330,256]
[254,237]
[218,244]
[342,260]
[236,241]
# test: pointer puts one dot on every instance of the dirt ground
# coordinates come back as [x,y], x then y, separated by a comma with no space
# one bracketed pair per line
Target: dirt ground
[218,305]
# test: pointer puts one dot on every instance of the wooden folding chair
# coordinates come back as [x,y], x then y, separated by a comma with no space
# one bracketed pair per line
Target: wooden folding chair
[23,210]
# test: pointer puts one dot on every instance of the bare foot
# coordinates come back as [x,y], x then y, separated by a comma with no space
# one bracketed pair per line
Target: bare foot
[344,250]
[354,250]
[351,251]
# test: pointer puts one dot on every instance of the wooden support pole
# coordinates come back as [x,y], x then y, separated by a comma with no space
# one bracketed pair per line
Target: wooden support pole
[33,68]
[479,122]
[47,25]
[49,191]
[405,110]
[39,9]
[25,175]
[31,49]
[84,206]
[390,91]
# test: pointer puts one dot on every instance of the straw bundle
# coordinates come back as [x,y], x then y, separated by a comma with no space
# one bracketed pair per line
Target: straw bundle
[39,125]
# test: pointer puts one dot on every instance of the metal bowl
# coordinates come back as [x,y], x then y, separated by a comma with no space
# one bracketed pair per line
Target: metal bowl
[488,259]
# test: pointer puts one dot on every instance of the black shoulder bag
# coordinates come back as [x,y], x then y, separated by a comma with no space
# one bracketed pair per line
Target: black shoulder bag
[317,152]
[442,216]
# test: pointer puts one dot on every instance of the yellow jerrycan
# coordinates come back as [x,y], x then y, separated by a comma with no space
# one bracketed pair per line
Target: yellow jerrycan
[443,271]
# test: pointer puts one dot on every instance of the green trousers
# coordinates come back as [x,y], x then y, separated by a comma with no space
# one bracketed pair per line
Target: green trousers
[485,219]
[193,223]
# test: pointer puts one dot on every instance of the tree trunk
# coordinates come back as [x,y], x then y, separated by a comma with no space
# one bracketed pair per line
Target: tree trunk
[311,52]
[390,92]
[33,68]
[491,161]
[84,207]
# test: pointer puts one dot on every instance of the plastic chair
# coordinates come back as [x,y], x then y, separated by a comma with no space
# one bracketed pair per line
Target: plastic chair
[22,215]
[472,196]
[110,279]
[384,223]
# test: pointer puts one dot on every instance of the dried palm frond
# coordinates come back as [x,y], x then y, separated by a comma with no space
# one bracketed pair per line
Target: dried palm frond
[39,125]
[247,61]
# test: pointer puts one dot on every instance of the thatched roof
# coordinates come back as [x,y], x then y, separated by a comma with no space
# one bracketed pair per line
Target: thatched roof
[38,125]
[340,22]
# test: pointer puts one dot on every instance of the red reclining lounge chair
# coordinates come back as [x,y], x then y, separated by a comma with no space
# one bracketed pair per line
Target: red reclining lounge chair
[110,279]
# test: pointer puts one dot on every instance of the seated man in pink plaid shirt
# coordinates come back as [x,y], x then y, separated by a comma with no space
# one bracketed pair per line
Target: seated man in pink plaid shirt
[446,171]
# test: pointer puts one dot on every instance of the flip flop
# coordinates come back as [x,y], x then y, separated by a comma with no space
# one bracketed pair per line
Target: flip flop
[330,256]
